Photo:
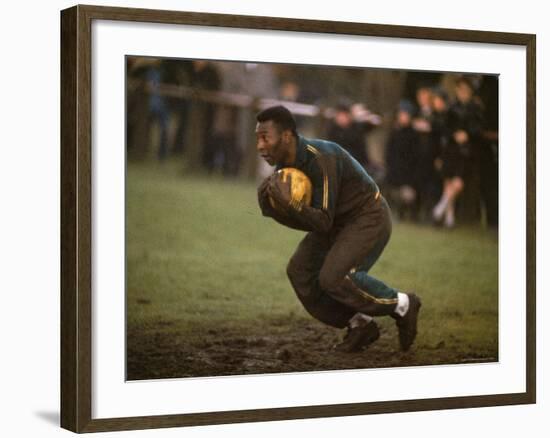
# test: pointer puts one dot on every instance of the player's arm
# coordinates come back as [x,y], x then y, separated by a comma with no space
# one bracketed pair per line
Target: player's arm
[263,199]
[325,181]
[269,211]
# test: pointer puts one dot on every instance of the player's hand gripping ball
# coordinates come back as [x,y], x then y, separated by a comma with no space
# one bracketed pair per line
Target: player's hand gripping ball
[289,188]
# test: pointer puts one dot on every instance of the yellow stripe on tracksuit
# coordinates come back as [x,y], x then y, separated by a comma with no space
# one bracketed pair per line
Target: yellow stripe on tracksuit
[325,177]
[369,296]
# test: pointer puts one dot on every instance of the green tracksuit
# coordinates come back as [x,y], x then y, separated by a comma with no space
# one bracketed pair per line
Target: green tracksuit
[348,226]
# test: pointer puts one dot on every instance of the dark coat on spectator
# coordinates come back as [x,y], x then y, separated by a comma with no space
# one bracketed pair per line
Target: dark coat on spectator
[402,157]
[352,139]
[467,117]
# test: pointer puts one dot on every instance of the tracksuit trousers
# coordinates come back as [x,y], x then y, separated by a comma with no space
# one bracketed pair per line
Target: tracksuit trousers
[329,271]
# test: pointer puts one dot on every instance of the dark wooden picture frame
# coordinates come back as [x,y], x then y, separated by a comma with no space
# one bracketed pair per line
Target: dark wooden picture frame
[76,218]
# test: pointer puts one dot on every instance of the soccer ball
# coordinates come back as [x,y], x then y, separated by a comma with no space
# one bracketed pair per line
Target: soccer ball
[300,189]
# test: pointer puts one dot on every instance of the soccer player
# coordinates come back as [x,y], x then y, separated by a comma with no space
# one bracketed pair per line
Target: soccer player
[348,225]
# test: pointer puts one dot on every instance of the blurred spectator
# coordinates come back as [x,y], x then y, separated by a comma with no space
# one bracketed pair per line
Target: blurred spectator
[489,149]
[254,80]
[440,108]
[419,79]
[349,128]
[289,91]
[460,157]
[149,75]
[401,162]
[158,109]
[440,131]
[427,150]
[179,72]
[228,155]
[136,108]
[350,135]
[204,76]
[424,112]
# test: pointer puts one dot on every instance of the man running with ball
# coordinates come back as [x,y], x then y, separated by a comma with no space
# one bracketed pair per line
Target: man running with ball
[348,225]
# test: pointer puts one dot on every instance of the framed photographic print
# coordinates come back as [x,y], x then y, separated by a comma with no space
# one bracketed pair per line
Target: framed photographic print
[324,218]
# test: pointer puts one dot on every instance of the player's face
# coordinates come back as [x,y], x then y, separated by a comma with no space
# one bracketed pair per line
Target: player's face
[270,142]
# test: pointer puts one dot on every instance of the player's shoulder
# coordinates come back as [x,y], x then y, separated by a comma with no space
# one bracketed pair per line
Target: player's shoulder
[318,147]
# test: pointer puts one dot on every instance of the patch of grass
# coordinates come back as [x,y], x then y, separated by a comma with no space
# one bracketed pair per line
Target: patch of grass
[200,258]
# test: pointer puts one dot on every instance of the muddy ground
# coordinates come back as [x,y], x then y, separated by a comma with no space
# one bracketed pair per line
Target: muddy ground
[278,347]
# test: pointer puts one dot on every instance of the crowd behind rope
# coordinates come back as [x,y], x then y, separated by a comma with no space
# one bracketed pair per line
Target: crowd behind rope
[441,156]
